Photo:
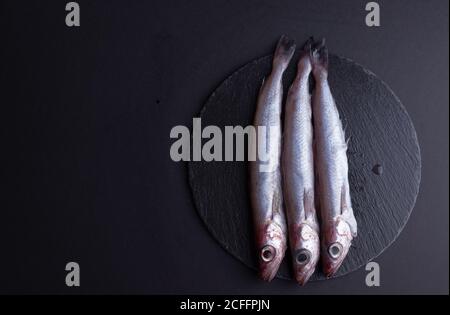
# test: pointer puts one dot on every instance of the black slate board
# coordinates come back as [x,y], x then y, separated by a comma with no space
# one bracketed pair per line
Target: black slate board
[384,162]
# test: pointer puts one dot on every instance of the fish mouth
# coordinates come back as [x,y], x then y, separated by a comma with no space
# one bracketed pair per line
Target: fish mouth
[334,258]
[305,266]
[269,269]
[330,270]
[303,276]
[269,261]
[268,274]
[334,255]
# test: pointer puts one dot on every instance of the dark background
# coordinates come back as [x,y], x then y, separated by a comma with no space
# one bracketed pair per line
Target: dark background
[85,119]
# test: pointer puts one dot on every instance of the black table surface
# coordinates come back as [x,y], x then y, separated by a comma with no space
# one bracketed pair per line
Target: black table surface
[378,130]
[86,113]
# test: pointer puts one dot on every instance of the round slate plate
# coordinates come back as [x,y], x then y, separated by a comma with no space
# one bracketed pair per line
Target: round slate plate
[384,162]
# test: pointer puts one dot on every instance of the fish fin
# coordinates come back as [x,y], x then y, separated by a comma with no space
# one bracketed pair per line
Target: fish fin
[307,47]
[344,128]
[317,200]
[308,203]
[276,203]
[263,81]
[316,181]
[284,52]
[262,84]
[319,55]
[347,142]
[341,147]
[344,132]
[347,211]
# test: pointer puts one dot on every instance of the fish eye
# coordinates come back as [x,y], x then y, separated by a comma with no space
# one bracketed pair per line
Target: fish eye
[335,250]
[268,253]
[303,257]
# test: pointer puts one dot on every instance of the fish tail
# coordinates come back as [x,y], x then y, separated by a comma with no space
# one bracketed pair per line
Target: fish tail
[304,63]
[307,48]
[284,52]
[319,55]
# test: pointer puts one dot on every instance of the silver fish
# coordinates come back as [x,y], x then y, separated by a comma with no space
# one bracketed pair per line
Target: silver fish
[298,173]
[265,174]
[338,223]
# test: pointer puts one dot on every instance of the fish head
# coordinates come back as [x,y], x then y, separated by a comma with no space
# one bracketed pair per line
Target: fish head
[335,246]
[305,245]
[271,250]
